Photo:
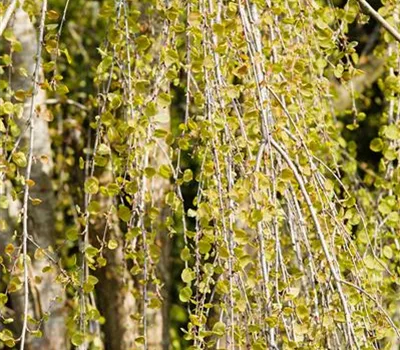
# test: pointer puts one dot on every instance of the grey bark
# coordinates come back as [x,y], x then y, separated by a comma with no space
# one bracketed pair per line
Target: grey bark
[114,294]
[47,296]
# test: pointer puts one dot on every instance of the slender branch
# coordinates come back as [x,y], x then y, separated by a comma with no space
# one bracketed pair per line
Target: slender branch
[141,226]
[54,101]
[7,15]
[379,306]
[314,217]
[31,121]
[63,19]
[380,19]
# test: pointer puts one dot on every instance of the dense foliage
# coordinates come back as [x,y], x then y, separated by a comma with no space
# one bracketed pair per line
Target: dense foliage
[199,174]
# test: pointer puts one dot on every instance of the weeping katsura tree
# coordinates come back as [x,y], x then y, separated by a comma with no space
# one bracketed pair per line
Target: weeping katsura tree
[199,174]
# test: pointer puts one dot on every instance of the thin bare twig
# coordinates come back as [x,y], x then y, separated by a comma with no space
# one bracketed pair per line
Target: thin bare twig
[379,306]
[7,15]
[380,19]
[54,101]
[314,217]
[31,121]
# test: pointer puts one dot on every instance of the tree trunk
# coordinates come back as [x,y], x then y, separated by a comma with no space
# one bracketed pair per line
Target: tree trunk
[117,304]
[47,296]
[116,301]
[159,338]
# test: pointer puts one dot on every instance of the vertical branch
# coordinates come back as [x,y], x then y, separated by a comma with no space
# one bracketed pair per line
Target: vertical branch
[7,15]
[142,228]
[31,123]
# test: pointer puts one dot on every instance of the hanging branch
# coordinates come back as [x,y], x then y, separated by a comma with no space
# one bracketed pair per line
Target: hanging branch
[6,18]
[317,225]
[380,19]
[31,123]
[378,305]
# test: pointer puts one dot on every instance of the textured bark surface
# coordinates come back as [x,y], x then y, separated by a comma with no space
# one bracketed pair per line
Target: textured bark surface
[47,296]
[115,300]
[165,274]
[117,304]
[158,334]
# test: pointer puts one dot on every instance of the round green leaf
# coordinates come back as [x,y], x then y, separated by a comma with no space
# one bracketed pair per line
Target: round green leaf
[185,294]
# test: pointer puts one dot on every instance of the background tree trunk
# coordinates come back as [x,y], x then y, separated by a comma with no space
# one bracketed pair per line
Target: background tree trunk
[47,296]
[119,306]
[116,301]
